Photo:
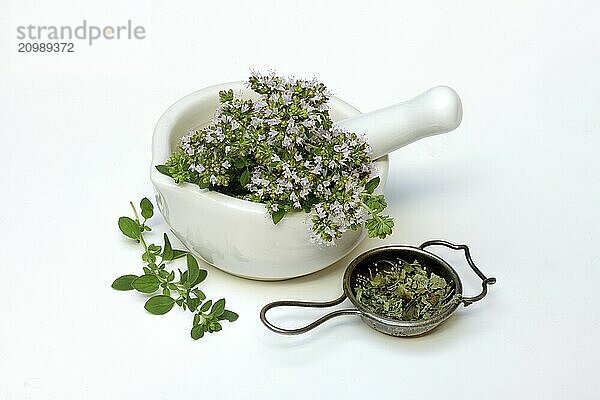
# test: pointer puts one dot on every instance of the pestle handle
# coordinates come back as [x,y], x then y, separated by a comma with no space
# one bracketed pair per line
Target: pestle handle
[438,110]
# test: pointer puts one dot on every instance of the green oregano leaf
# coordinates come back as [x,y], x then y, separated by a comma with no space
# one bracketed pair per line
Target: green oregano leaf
[154,249]
[130,228]
[147,208]
[163,273]
[193,270]
[149,257]
[183,277]
[124,282]
[199,293]
[163,169]
[245,178]
[240,163]
[372,185]
[159,305]
[202,274]
[193,303]
[206,306]
[197,332]
[167,254]
[218,308]
[214,327]
[171,276]
[225,95]
[203,185]
[376,203]
[229,316]
[278,215]
[379,226]
[146,284]
[179,253]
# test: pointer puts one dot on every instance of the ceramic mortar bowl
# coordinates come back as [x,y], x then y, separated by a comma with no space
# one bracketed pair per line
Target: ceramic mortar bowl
[235,235]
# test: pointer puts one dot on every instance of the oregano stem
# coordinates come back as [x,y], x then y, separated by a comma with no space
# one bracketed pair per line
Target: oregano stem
[137,219]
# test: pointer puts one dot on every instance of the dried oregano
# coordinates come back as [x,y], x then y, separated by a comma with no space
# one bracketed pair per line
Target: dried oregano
[403,291]
[283,150]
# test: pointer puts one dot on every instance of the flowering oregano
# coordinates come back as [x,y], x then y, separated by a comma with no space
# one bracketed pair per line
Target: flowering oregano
[282,149]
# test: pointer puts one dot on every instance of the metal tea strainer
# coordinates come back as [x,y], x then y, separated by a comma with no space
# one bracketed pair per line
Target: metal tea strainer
[394,327]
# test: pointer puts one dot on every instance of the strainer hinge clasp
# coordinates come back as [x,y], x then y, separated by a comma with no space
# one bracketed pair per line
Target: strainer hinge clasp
[485,281]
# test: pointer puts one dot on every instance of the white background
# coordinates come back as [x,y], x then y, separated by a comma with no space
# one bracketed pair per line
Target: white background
[518,182]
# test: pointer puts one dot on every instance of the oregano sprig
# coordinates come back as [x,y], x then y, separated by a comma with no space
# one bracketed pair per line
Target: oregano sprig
[183,292]
[377,225]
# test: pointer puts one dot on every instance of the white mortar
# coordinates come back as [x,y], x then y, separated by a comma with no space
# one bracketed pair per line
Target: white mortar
[234,235]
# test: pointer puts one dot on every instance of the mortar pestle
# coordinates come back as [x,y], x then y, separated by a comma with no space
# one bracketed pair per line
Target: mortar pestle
[238,236]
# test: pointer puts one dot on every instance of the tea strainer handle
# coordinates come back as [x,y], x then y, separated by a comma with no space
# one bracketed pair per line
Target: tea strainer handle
[485,281]
[291,303]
